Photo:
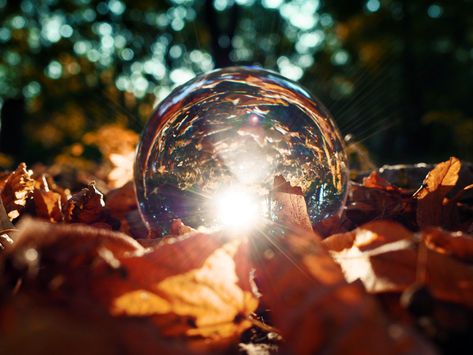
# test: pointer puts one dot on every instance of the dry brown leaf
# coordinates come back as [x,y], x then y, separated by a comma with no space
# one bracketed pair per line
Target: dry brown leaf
[457,244]
[85,206]
[187,286]
[316,310]
[332,225]
[52,186]
[39,324]
[121,203]
[431,206]
[390,268]
[387,258]
[312,305]
[71,240]
[48,205]
[192,287]
[88,207]
[121,200]
[366,203]
[377,182]
[17,190]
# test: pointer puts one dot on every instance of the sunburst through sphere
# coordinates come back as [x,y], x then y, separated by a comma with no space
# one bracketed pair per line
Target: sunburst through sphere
[211,150]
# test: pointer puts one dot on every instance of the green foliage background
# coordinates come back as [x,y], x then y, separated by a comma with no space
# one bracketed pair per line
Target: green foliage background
[396,74]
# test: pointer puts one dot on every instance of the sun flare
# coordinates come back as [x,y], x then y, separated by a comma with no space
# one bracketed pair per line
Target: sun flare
[237,210]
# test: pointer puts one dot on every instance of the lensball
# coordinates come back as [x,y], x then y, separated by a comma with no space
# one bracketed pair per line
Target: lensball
[211,150]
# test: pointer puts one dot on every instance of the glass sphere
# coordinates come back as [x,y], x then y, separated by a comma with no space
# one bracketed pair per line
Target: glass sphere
[211,150]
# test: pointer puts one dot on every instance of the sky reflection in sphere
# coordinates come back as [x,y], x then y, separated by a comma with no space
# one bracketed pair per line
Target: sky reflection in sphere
[235,129]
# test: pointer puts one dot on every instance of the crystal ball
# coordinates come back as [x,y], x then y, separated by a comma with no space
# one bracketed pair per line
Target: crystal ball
[211,150]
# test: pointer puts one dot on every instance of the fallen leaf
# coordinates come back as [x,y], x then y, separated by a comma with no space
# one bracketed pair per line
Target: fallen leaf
[88,207]
[378,254]
[377,182]
[17,190]
[316,309]
[313,306]
[40,324]
[122,205]
[431,207]
[71,240]
[367,203]
[47,205]
[386,257]
[457,244]
[85,206]
[186,286]
[122,171]
[191,288]
[121,200]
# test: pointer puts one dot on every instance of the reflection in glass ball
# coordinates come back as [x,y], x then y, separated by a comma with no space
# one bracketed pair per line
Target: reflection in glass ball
[211,150]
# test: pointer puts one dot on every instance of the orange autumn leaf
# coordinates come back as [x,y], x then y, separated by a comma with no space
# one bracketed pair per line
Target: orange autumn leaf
[192,288]
[88,207]
[17,190]
[457,244]
[386,257]
[32,322]
[186,286]
[47,205]
[65,241]
[377,182]
[121,200]
[377,253]
[314,307]
[122,171]
[368,203]
[431,206]
[312,304]
[85,206]
[48,199]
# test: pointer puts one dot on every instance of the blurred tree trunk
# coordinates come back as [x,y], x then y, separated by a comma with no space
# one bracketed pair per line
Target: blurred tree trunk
[417,141]
[11,132]
[221,38]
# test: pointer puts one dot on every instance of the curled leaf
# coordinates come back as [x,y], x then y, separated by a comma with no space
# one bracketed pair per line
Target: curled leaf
[368,203]
[192,288]
[377,253]
[188,286]
[377,182]
[431,207]
[314,307]
[47,205]
[88,207]
[121,203]
[17,190]
[388,258]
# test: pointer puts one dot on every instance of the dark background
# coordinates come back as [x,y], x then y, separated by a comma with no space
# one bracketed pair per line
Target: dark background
[397,75]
